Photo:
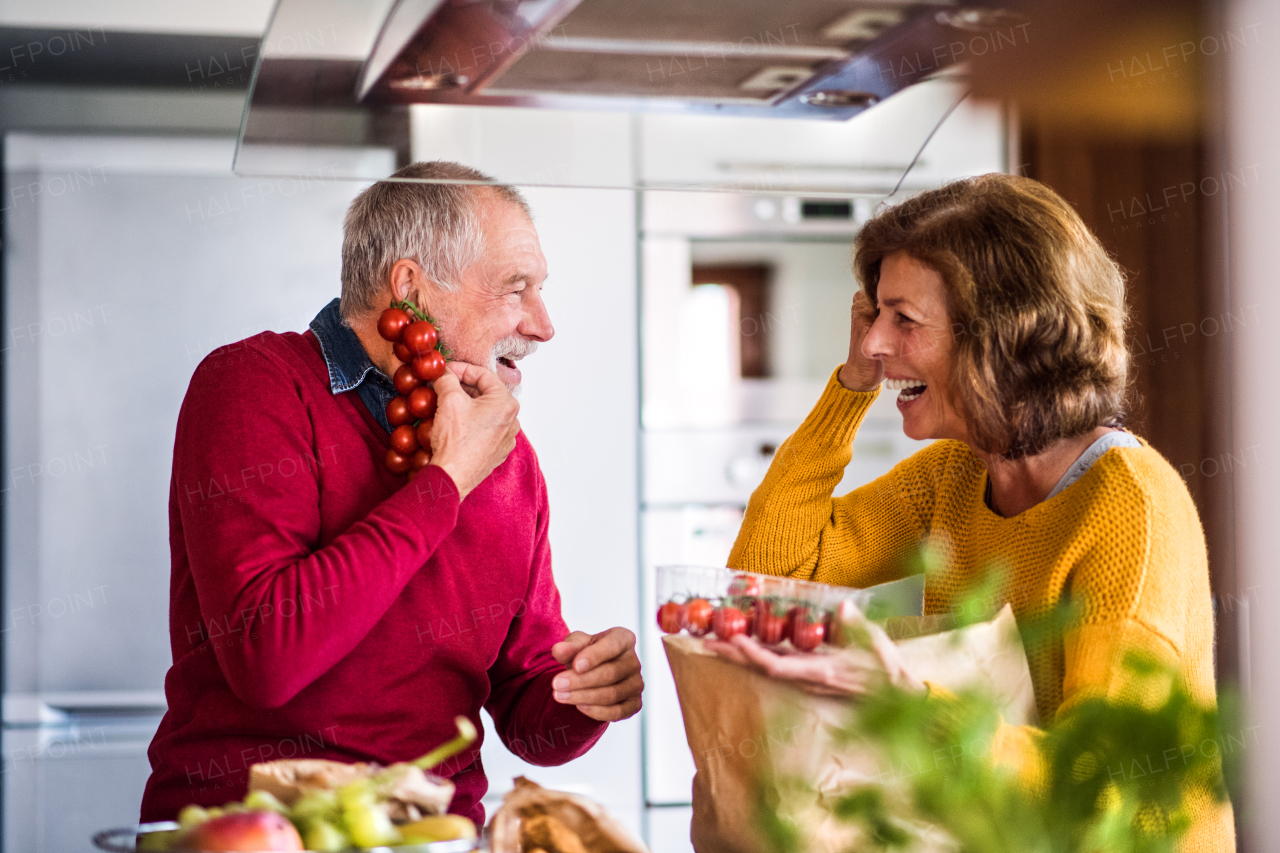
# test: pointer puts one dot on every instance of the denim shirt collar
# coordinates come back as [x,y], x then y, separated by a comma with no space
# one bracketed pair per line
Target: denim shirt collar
[344,355]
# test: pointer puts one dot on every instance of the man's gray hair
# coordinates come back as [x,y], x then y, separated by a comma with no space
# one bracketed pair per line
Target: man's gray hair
[433,224]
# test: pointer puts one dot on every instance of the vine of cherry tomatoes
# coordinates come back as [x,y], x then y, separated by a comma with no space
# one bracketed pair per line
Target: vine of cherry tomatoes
[416,342]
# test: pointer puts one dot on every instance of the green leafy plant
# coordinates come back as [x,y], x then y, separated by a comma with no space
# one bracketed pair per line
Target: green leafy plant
[1105,777]
[1110,776]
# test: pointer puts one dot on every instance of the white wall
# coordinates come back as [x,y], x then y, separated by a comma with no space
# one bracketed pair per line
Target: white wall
[1253,224]
[579,407]
[579,404]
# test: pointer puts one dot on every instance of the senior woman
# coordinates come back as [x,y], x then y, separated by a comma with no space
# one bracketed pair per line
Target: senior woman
[999,320]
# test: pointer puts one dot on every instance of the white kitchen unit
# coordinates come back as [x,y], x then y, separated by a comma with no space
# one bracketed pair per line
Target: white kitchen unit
[127,261]
[867,155]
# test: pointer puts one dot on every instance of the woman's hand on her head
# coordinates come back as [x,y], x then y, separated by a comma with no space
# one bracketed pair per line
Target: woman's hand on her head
[848,672]
[859,372]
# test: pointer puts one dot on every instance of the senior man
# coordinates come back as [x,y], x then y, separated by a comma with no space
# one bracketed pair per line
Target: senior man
[323,607]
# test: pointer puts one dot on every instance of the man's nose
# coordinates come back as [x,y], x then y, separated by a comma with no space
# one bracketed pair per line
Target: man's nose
[536,322]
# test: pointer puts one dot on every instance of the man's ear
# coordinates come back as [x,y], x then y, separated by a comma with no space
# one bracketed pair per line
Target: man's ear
[408,283]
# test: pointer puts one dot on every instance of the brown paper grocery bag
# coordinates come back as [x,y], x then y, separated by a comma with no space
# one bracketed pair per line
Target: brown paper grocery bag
[746,731]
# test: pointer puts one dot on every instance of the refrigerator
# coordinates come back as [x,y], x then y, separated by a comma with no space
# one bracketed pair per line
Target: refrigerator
[126,261]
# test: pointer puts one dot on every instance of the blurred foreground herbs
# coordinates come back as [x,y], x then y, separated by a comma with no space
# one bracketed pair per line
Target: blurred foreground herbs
[1106,777]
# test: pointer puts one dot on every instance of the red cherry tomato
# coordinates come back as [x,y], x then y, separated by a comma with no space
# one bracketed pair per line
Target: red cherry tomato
[789,622]
[392,323]
[429,366]
[421,459]
[422,402]
[807,629]
[420,337]
[424,435]
[840,623]
[671,617]
[402,353]
[744,586]
[397,463]
[752,611]
[404,440]
[405,380]
[398,412]
[697,616]
[771,626]
[729,622]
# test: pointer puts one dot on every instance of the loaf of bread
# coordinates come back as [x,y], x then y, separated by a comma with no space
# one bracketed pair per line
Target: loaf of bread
[533,819]
[409,792]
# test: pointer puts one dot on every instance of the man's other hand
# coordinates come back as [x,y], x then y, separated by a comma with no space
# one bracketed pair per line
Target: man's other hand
[475,425]
[602,674]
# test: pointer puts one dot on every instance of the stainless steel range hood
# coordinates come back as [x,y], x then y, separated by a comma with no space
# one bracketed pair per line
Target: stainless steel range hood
[720,54]
[816,61]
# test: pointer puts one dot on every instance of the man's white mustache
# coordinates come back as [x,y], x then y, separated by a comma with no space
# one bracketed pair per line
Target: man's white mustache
[514,348]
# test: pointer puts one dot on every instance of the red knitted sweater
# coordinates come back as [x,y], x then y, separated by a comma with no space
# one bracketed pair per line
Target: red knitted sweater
[322,607]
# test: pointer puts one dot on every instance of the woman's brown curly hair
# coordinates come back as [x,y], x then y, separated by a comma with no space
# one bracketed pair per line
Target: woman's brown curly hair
[1035,303]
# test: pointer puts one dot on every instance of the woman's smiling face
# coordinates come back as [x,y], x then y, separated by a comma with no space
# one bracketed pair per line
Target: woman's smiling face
[911,338]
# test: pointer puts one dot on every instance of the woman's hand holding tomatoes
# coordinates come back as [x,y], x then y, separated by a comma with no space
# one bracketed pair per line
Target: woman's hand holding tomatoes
[853,671]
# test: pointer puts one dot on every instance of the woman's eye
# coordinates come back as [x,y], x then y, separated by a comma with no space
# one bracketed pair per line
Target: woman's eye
[903,318]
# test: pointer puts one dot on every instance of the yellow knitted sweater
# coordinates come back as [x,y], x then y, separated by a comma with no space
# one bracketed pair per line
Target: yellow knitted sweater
[1124,542]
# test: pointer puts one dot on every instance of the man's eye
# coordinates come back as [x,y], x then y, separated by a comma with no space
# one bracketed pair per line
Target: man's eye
[903,318]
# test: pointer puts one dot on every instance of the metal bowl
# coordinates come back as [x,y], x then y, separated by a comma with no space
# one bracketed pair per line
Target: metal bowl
[125,840]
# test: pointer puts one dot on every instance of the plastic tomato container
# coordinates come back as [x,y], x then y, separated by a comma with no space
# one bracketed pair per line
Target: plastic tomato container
[720,602]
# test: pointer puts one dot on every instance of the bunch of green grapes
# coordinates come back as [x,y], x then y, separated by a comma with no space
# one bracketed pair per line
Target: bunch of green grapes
[325,821]
[328,821]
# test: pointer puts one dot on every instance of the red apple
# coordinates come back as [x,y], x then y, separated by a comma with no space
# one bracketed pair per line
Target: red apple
[244,832]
